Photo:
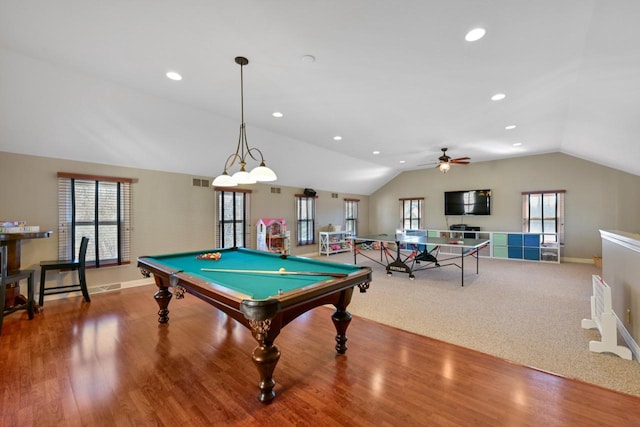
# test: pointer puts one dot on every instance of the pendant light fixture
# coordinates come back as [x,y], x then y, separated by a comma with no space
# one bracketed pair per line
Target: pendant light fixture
[244,152]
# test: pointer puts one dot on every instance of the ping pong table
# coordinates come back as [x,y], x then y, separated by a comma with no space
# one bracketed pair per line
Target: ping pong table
[422,252]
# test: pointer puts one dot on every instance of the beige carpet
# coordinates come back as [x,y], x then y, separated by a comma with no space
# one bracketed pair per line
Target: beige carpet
[525,312]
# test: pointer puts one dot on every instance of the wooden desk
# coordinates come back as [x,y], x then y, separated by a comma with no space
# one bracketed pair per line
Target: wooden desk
[13,242]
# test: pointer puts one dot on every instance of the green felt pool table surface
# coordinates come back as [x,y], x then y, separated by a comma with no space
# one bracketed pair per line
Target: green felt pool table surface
[254,285]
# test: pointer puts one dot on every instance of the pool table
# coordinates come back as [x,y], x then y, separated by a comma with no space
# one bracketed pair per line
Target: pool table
[263,291]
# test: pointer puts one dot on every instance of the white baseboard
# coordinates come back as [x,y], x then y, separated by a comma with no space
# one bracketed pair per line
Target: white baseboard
[118,286]
[577,260]
[139,282]
[309,255]
[103,288]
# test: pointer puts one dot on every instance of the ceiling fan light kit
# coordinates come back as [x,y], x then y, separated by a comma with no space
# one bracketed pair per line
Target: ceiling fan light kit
[444,167]
[445,161]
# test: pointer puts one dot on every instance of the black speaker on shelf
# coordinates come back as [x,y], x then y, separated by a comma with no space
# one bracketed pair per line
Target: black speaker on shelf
[458,227]
[465,227]
[309,192]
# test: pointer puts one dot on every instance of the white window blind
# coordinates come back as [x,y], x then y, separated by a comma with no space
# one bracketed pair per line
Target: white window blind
[99,208]
[543,212]
[351,215]
[411,213]
[232,218]
[305,218]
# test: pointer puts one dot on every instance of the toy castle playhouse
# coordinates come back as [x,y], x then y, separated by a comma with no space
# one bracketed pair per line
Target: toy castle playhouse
[272,235]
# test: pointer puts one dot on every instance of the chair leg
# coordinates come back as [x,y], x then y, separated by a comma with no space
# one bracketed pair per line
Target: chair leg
[83,285]
[43,276]
[3,288]
[30,296]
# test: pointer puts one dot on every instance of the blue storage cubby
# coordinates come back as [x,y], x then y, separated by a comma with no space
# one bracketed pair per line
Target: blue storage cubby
[514,240]
[532,240]
[532,254]
[515,252]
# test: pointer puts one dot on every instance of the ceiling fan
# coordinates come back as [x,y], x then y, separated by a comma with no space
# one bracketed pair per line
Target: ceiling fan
[445,162]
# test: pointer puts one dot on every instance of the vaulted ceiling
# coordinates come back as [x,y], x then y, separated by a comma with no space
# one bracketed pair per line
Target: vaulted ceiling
[85,80]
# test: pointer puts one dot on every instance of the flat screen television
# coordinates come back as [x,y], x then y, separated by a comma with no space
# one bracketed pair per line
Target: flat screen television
[468,202]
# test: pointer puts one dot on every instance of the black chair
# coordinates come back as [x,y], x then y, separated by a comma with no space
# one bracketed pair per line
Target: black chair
[77,264]
[5,279]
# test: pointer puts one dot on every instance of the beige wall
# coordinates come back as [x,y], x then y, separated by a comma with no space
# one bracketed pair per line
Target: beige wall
[597,197]
[621,271]
[169,213]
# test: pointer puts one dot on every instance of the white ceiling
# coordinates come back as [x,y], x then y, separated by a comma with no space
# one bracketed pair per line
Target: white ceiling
[393,76]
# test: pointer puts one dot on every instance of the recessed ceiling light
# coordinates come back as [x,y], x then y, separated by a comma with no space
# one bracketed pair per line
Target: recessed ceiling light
[174,76]
[475,34]
[337,138]
[401,161]
[277,114]
[308,59]
[510,127]
[498,97]
[376,153]
[517,144]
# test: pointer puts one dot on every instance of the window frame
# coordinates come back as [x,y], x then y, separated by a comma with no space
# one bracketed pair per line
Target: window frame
[417,221]
[244,221]
[305,224]
[351,207]
[68,218]
[558,215]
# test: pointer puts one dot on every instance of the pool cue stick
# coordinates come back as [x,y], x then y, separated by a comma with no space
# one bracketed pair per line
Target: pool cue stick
[293,273]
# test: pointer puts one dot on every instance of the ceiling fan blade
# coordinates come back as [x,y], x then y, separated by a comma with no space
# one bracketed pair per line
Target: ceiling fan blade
[460,162]
[461,158]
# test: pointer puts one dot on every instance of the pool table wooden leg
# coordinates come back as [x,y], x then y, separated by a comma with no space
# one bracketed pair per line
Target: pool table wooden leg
[163,297]
[265,321]
[266,357]
[341,319]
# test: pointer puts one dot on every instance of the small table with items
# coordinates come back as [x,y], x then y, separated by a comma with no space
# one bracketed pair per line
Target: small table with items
[13,242]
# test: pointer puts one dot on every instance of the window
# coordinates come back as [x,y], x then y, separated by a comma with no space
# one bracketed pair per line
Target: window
[543,212]
[305,216]
[97,207]
[411,213]
[232,218]
[351,216]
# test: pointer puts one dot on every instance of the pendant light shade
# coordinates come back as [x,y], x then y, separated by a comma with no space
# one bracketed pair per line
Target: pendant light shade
[263,173]
[224,180]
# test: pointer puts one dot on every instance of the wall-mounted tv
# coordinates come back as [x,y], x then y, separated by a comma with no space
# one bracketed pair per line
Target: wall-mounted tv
[468,202]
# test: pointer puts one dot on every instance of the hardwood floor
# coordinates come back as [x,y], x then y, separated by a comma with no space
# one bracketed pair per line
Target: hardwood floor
[109,363]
